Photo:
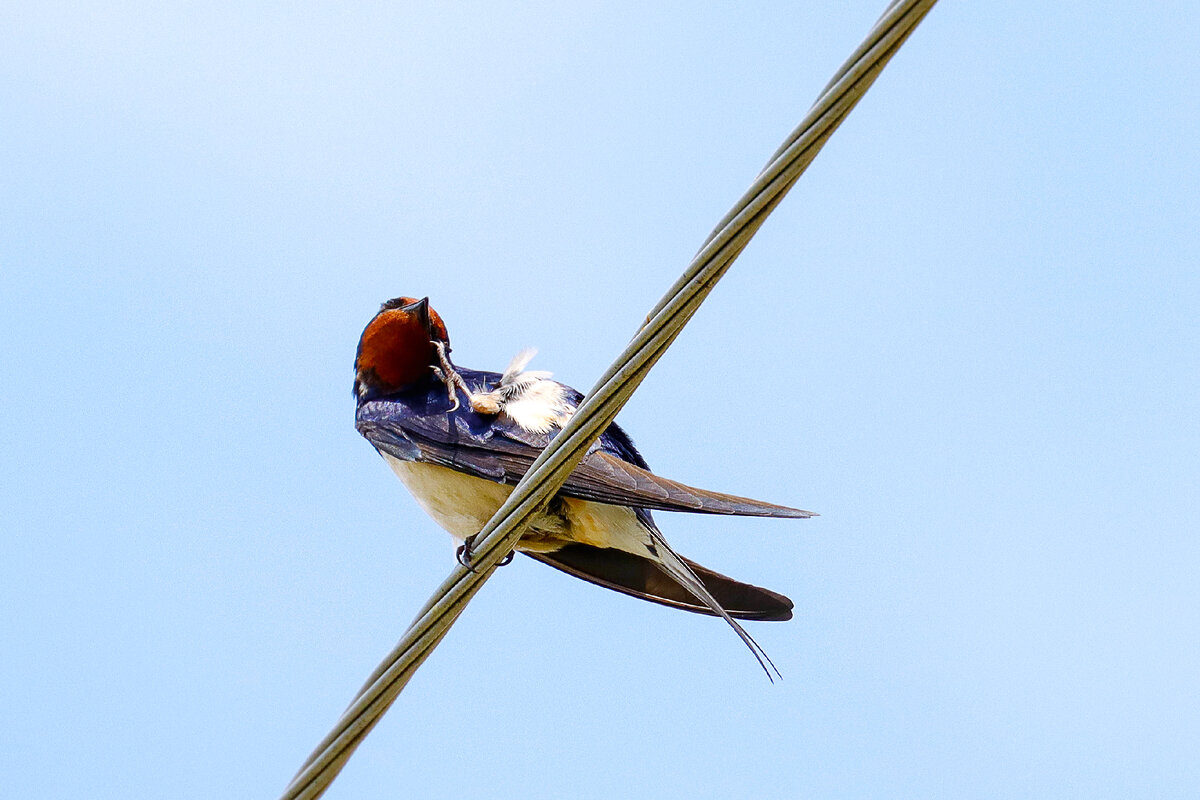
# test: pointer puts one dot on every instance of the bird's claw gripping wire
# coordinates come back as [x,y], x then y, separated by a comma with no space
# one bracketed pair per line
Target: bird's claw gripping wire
[465,554]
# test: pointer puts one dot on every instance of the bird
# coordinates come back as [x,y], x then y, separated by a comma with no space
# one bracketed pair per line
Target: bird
[459,439]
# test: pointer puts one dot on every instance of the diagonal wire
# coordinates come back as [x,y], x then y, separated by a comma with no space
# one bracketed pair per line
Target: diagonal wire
[610,393]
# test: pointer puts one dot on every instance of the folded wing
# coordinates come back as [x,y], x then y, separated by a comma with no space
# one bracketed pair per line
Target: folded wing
[601,476]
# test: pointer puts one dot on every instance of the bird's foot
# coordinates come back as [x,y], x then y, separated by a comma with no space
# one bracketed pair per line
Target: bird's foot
[465,554]
[449,384]
[450,377]
[488,403]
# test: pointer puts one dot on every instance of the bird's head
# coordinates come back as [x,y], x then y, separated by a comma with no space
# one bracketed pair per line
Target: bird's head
[397,349]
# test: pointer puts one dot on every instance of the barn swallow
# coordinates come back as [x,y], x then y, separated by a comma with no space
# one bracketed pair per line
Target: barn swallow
[460,439]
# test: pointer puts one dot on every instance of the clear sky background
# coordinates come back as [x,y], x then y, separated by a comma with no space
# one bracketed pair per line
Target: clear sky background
[968,338]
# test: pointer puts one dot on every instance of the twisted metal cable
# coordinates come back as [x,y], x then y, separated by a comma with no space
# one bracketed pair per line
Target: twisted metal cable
[616,385]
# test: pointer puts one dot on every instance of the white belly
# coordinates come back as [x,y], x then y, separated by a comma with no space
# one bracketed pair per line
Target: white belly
[462,504]
[459,503]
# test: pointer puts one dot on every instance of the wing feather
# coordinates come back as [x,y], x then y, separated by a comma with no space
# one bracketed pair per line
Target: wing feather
[605,475]
[643,578]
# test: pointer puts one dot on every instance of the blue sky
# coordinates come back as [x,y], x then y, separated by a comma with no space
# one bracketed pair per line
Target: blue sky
[968,339]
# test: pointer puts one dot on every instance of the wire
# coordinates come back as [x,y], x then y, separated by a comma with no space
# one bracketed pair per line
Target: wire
[610,393]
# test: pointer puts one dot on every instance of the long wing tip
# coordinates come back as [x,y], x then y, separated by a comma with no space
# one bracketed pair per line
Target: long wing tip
[755,508]
[776,615]
[796,513]
[646,579]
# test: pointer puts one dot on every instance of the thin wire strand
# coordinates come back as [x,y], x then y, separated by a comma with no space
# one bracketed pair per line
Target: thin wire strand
[600,406]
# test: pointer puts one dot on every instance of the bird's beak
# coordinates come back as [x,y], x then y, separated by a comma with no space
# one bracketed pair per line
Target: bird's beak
[420,310]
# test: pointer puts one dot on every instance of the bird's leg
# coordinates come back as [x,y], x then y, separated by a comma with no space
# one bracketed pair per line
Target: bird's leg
[481,402]
[465,554]
[449,376]
[450,394]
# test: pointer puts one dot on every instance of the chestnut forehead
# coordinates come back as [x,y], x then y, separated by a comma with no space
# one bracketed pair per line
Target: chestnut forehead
[389,325]
[396,346]
[435,319]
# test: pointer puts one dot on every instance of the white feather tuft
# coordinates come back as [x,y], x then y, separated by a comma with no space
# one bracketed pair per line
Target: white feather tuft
[527,397]
[517,365]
